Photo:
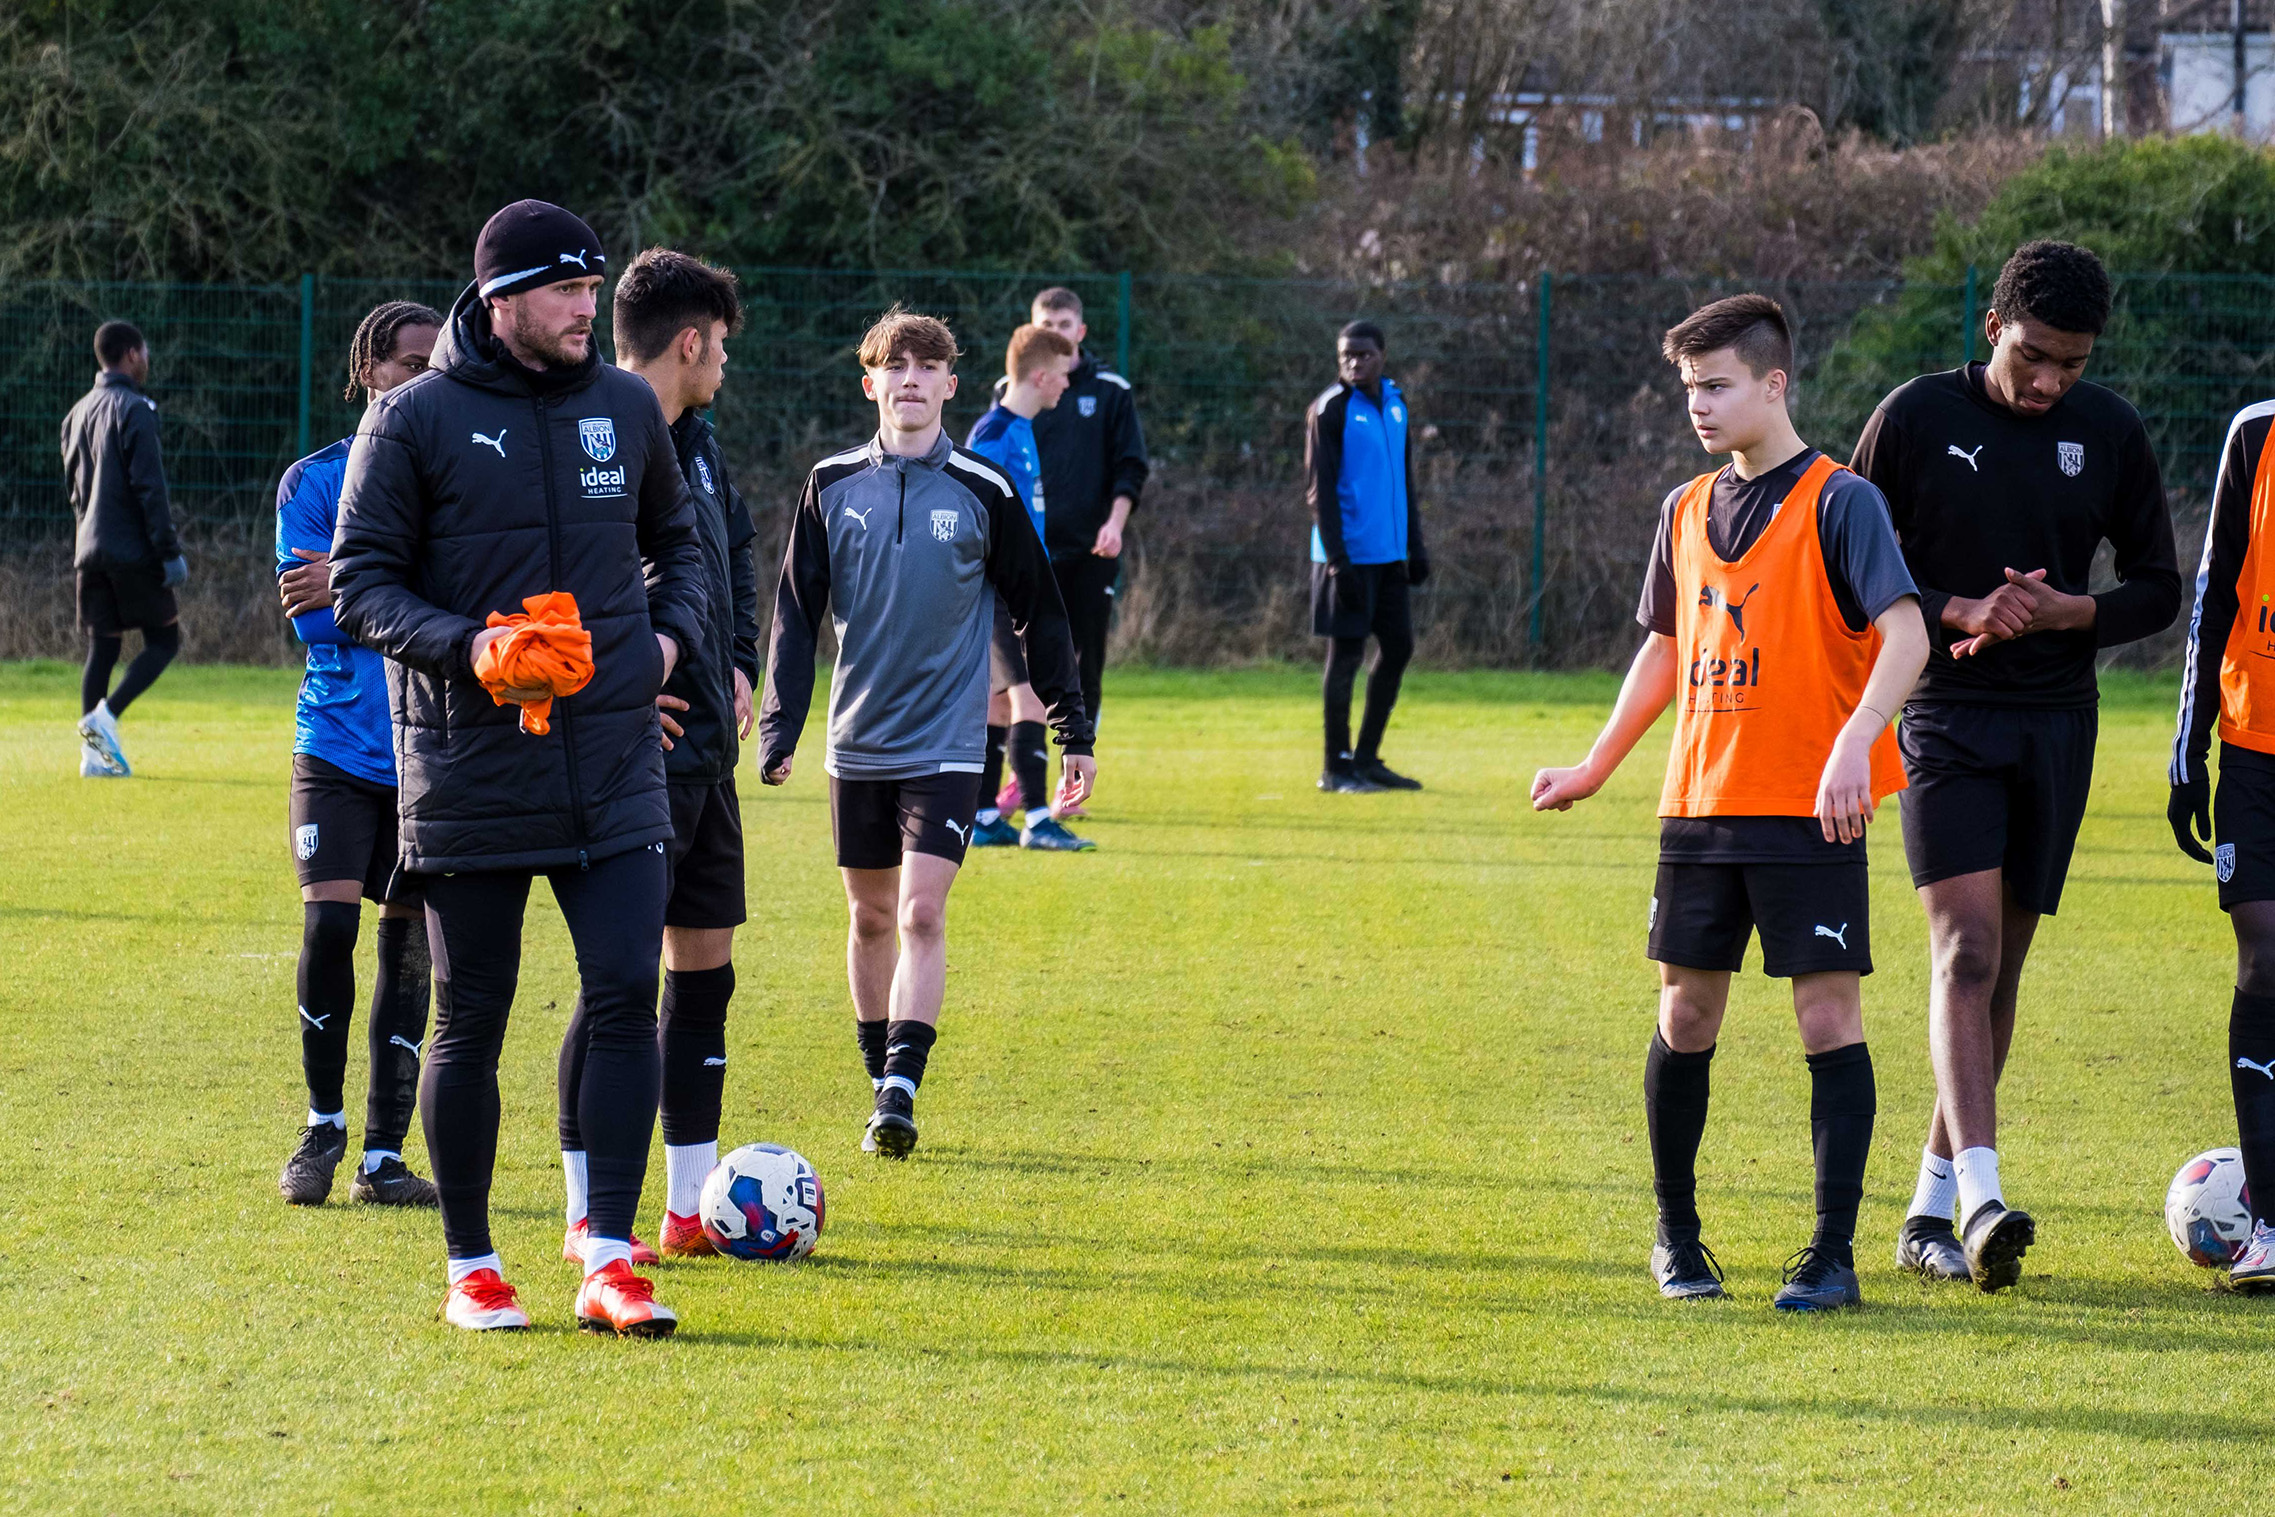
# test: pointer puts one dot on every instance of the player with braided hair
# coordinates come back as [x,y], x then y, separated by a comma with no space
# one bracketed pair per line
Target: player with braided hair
[342,824]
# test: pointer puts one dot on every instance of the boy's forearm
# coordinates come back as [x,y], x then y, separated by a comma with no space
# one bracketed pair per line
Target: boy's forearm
[1643,695]
[1903,654]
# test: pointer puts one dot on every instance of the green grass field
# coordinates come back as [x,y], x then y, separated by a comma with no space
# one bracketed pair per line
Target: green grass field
[1284,1155]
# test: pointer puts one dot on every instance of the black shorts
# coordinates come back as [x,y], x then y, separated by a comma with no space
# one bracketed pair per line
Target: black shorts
[876,821]
[1363,599]
[1006,660]
[113,600]
[1813,918]
[705,858]
[343,828]
[1996,788]
[2243,827]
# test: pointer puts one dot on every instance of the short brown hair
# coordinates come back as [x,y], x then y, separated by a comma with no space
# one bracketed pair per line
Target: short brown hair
[1030,345]
[663,293]
[900,331]
[1752,326]
[1057,298]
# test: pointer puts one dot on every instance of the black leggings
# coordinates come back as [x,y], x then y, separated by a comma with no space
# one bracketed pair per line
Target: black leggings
[615,914]
[1394,646]
[159,645]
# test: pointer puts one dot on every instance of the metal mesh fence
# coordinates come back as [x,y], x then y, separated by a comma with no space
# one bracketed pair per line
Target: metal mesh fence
[1536,404]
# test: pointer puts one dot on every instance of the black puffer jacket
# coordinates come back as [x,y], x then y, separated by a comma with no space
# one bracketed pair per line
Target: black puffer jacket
[707,748]
[477,485]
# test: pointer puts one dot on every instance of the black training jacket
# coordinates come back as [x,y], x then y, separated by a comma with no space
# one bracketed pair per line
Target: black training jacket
[469,489]
[1092,450]
[117,481]
[707,748]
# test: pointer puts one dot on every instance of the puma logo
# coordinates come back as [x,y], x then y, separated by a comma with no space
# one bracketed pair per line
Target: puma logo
[2267,1069]
[957,828]
[860,516]
[498,442]
[315,1022]
[1714,597]
[1840,937]
[1955,451]
[417,1049]
[577,258]
[714,1063]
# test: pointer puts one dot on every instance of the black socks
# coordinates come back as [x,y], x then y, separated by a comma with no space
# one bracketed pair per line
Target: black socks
[95,679]
[871,1036]
[991,777]
[2251,1077]
[159,645]
[397,1031]
[1674,1106]
[693,1038]
[907,1046]
[1392,652]
[1344,655]
[327,994]
[1031,762]
[1842,1101]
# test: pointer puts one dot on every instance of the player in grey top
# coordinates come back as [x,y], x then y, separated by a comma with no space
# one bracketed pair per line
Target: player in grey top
[907,542]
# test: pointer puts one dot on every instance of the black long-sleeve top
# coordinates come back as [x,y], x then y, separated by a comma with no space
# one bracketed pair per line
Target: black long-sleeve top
[2226,538]
[1975,489]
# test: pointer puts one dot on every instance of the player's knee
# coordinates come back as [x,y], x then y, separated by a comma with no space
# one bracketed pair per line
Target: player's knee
[2255,966]
[328,929]
[1394,649]
[923,919]
[165,641]
[870,922]
[1969,961]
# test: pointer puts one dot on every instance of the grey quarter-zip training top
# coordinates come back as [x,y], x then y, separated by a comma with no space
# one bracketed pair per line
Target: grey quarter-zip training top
[907,556]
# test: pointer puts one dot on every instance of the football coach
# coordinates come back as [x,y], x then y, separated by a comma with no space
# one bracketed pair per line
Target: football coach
[520,464]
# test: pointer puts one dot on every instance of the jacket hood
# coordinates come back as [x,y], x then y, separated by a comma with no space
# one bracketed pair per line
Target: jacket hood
[472,354]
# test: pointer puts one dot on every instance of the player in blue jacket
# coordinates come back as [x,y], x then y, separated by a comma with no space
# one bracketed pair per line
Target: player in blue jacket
[1366,550]
[1036,367]
[343,821]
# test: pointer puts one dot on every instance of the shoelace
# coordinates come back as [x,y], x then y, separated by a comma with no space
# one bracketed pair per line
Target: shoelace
[628,1285]
[1809,1265]
[1693,1256]
[489,1294]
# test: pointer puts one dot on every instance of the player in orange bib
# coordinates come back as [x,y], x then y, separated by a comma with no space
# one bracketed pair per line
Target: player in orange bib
[2230,683]
[1785,630]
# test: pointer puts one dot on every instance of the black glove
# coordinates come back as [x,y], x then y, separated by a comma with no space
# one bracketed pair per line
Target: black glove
[1417,568]
[176,570]
[2190,812]
[1337,564]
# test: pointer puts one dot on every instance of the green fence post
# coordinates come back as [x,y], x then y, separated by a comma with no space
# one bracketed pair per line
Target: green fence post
[1539,471]
[1122,324]
[1967,322]
[307,355]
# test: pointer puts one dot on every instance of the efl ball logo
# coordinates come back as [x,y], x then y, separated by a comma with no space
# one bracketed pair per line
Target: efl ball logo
[598,434]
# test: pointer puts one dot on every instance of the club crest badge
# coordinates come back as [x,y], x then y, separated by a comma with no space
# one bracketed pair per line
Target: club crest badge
[2072,456]
[1086,404]
[703,476]
[944,526]
[598,434]
[2224,862]
[304,842]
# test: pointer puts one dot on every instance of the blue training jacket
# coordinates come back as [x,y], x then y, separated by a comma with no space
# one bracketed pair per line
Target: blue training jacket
[343,717]
[1005,437]
[1356,456]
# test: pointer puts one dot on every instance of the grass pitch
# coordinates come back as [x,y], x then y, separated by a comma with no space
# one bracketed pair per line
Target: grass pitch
[1284,1155]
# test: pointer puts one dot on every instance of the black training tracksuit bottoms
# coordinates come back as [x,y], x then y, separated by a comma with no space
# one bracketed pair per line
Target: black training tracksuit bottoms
[1086,586]
[615,912]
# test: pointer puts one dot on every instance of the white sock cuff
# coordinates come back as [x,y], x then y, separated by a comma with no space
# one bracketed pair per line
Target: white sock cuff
[602,1252]
[1938,1189]
[987,816]
[374,1157]
[1977,1170]
[899,1082]
[461,1268]
[573,1178]
[338,1119]
[686,1167]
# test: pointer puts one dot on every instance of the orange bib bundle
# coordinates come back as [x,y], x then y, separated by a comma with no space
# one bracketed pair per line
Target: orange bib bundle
[548,649]
[2247,664]
[1769,670]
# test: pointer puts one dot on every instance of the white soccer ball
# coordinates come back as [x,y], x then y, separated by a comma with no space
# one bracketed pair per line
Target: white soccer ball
[762,1202]
[2208,1210]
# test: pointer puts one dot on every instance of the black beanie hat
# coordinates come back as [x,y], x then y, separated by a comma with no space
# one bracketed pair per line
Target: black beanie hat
[532,243]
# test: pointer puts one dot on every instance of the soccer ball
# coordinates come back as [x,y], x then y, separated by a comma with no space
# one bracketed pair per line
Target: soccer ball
[2207,1210]
[762,1202]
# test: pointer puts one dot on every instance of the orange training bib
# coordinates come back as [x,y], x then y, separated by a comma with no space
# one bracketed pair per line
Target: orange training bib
[1769,670]
[2247,664]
